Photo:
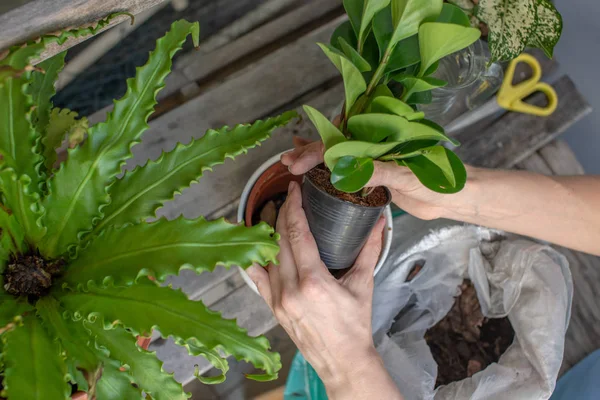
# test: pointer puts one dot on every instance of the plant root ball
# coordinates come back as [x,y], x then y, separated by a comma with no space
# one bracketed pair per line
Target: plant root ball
[30,275]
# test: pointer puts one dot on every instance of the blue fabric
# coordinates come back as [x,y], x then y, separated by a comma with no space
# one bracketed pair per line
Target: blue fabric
[303,383]
[582,382]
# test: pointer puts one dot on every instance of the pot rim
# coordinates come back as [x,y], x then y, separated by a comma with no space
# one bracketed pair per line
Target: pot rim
[387,213]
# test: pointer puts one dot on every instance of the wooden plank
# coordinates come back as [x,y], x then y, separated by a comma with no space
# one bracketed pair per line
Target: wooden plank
[516,136]
[44,16]
[535,163]
[561,159]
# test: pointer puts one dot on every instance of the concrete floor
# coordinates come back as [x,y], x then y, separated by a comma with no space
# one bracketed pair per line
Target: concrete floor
[578,54]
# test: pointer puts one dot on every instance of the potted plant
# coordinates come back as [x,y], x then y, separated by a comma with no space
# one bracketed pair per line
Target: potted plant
[81,266]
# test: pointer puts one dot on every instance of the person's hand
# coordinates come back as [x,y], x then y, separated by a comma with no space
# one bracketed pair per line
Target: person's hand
[328,319]
[407,192]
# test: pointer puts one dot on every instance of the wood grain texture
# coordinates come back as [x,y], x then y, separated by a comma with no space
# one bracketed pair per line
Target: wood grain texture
[45,16]
[516,136]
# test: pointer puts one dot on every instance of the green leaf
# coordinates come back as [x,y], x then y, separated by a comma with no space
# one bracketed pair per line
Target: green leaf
[510,23]
[361,13]
[548,28]
[62,122]
[438,40]
[415,85]
[407,16]
[452,14]
[396,129]
[42,89]
[12,307]
[79,188]
[432,69]
[34,368]
[140,192]
[164,247]
[405,54]
[144,368]
[346,32]
[354,83]
[439,170]
[357,149]
[420,98]
[77,346]
[391,105]
[196,349]
[116,384]
[23,202]
[145,306]
[354,56]
[330,134]
[12,237]
[351,174]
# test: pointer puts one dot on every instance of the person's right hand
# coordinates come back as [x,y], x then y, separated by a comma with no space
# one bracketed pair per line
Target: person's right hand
[407,192]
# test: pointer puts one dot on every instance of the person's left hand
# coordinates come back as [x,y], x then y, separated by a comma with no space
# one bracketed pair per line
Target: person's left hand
[328,319]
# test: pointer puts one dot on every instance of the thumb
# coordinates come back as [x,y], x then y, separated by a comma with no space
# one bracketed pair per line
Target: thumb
[360,276]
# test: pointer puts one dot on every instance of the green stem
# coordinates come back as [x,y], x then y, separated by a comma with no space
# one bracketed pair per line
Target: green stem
[400,156]
[379,73]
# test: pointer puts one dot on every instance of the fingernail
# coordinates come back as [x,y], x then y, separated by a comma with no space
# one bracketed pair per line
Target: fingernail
[291,187]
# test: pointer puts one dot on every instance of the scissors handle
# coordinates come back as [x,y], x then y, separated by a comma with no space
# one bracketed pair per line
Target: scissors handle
[511,97]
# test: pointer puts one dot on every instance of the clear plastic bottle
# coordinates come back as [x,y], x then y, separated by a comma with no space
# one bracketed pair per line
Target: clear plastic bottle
[470,80]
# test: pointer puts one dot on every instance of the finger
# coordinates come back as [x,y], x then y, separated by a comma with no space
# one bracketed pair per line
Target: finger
[310,157]
[303,245]
[360,277]
[287,265]
[260,277]
[300,142]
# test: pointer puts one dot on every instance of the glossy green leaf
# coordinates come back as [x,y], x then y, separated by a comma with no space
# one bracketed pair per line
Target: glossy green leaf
[139,193]
[415,85]
[76,346]
[23,201]
[405,54]
[361,13]
[163,247]
[330,134]
[548,28]
[42,89]
[196,349]
[391,105]
[452,14]
[351,174]
[12,237]
[510,23]
[116,384]
[432,69]
[62,122]
[143,367]
[34,368]
[379,91]
[438,40]
[79,188]
[346,32]
[420,98]
[354,56]
[408,15]
[357,149]
[11,308]
[354,83]
[440,170]
[145,306]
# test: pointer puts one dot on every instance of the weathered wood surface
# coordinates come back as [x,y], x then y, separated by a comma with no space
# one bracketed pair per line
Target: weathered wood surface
[44,16]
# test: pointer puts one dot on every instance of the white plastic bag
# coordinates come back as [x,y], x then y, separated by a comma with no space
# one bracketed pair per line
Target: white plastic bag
[528,282]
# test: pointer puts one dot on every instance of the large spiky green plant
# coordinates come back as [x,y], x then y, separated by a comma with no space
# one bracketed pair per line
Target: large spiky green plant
[81,267]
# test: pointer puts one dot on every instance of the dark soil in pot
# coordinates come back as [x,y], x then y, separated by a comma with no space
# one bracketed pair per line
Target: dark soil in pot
[321,176]
[464,342]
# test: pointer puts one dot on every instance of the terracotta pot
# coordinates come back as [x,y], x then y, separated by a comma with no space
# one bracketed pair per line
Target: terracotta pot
[143,342]
[273,178]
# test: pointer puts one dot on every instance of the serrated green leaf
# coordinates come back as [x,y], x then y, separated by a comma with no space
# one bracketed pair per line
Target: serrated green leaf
[361,13]
[391,105]
[510,23]
[163,247]
[145,306]
[77,346]
[452,14]
[354,56]
[548,28]
[408,15]
[351,174]
[415,85]
[437,40]
[144,368]
[79,188]
[357,149]
[34,368]
[42,90]
[354,83]
[439,170]
[140,192]
[116,384]
[23,202]
[12,307]
[330,134]
[220,363]
[62,122]
[12,237]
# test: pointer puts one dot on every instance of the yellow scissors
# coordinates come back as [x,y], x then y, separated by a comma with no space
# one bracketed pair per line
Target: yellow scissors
[511,97]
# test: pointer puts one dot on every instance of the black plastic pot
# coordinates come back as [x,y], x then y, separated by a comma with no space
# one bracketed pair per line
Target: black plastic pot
[340,228]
